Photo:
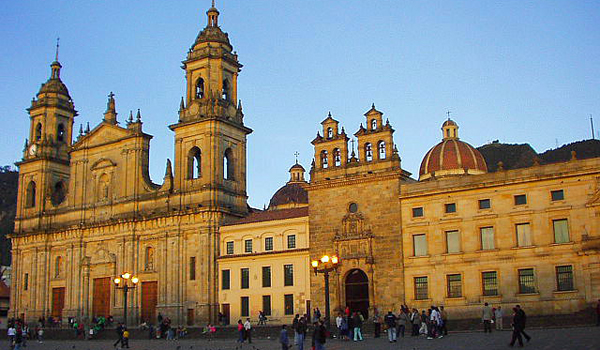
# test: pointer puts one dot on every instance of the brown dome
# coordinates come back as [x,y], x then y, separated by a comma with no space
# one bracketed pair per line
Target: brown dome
[54,84]
[292,194]
[451,156]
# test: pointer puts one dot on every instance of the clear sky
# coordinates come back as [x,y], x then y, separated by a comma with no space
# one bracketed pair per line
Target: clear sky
[515,71]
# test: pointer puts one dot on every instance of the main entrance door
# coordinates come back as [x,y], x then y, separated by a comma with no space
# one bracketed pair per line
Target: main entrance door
[149,301]
[357,292]
[101,301]
[58,301]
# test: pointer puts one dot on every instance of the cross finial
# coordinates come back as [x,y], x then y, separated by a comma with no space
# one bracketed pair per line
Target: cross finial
[296,154]
[57,46]
[213,3]
[448,114]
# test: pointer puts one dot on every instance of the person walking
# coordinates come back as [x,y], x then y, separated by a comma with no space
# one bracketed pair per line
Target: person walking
[424,329]
[18,341]
[524,322]
[120,329]
[125,341]
[240,327]
[402,321]
[295,328]
[376,323]
[517,324]
[302,326]
[319,335]
[390,323]
[486,318]
[415,320]
[40,334]
[248,330]
[498,314]
[358,322]
[444,317]
[283,339]
[338,324]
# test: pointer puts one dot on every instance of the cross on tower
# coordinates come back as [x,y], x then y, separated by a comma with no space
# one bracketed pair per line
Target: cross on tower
[448,113]
[57,45]
[296,154]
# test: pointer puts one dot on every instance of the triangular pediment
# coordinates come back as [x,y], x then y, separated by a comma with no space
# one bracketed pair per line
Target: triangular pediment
[103,134]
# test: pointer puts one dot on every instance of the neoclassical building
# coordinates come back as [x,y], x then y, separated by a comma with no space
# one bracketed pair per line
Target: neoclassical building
[463,233]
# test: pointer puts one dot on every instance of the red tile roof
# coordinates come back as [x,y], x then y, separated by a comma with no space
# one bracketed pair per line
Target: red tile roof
[270,215]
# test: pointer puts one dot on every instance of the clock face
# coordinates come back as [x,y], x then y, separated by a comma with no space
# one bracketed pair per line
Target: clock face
[32,150]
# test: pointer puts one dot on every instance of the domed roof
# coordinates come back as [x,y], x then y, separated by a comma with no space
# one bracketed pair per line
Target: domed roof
[54,84]
[212,34]
[297,166]
[292,194]
[451,156]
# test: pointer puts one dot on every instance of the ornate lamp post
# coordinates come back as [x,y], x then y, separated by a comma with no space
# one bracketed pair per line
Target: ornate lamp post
[325,265]
[123,282]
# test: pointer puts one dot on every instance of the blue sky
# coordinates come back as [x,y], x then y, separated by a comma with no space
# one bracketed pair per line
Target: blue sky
[515,71]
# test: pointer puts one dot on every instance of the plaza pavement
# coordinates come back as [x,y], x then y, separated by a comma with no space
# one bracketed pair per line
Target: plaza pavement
[578,338]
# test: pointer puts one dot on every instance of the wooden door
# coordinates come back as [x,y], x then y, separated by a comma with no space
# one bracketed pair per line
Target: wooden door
[190,317]
[226,312]
[149,301]
[58,301]
[101,297]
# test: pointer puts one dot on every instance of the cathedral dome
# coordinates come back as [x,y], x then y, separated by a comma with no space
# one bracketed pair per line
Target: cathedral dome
[451,156]
[293,194]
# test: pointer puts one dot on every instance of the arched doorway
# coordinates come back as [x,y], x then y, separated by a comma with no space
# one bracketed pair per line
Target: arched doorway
[357,292]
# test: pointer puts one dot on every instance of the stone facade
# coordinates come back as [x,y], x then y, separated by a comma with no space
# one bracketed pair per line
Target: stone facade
[87,210]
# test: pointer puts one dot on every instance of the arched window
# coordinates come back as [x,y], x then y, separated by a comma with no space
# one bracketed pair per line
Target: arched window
[58,193]
[30,197]
[194,163]
[58,266]
[381,147]
[368,152]
[60,132]
[373,124]
[225,93]
[200,88]
[329,133]
[149,266]
[337,157]
[38,131]
[228,165]
[324,163]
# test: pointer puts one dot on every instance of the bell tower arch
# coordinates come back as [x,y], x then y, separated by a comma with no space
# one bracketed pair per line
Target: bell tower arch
[211,124]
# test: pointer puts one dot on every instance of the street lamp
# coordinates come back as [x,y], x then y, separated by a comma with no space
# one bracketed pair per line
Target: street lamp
[122,282]
[325,265]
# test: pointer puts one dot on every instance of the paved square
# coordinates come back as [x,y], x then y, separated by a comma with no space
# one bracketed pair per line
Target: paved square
[585,338]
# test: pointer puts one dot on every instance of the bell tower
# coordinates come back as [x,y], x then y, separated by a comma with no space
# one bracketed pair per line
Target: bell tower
[44,169]
[210,136]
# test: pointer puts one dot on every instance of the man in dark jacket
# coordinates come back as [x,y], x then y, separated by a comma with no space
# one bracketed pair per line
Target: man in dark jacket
[524,321]
[319,335]
[517,325]
[390,322]
[301,331]
[119,330]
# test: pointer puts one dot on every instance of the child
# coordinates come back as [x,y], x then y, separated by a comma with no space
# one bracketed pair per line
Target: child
[40,334]
[125,342]
[283,339]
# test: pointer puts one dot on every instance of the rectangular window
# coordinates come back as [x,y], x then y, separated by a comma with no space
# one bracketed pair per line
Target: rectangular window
[564,278]
[417,212]
[561,230]
[489,281]
[26,282]
[229,247]
[245,278]
[526,281]
[454,286]
[524,235]
[291,241]
[288,275]
[557,195]
[245,306]
[453,241]
[485,204]
[266,309]
[225,279]
[248,246]
[288,300]
[266,276]
[520,199]
[420,245]
[421,288]
[192,268]
[450,207]
[487,238]
[268,243]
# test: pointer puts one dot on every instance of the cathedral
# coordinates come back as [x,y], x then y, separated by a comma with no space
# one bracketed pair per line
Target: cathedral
[464,233]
